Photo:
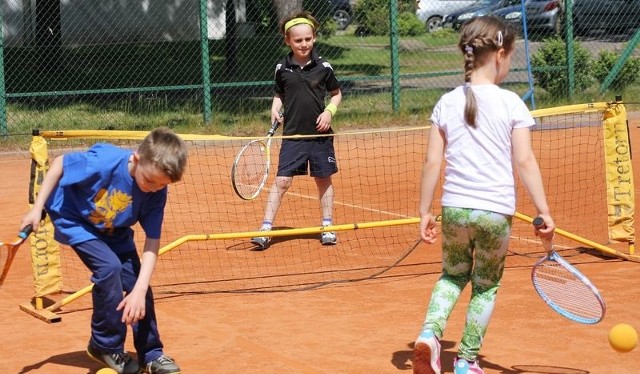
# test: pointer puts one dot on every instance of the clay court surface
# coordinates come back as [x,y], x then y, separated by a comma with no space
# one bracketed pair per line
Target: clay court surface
[361,327]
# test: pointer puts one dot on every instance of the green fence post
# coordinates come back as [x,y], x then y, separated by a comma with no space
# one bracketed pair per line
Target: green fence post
[633,43]
[395,59]
[204,50]
[4,130]
[571,63]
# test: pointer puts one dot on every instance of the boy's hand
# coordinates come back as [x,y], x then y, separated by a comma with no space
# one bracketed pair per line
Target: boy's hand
[133,307]
[323,123]
[277,115]
[33,218]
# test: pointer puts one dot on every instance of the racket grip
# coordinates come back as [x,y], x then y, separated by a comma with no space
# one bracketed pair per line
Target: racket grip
[538,223]
[25,231]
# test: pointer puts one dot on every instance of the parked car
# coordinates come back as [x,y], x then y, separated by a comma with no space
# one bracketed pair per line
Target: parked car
[340,10]
[542,15]
[606,15]
[588,15]
[512,15]
[481,8]
[432,12]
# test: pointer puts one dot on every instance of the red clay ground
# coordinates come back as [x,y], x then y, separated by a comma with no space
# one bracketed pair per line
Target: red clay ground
[365,327]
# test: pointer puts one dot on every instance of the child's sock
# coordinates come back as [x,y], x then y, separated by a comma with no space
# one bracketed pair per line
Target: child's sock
[266,225]
[327,222]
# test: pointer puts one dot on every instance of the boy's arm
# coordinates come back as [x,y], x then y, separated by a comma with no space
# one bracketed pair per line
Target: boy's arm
[276,109]
[323,122]
[336,97]
[133,305]
[49,183]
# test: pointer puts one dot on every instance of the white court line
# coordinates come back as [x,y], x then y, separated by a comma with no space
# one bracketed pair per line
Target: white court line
[392,214]
[353,206]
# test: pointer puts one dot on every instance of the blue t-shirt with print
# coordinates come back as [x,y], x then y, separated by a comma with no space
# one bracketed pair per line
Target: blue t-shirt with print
[97,198]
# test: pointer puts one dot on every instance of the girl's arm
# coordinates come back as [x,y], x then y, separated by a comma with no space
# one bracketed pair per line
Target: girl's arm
[531,177]
[430,176]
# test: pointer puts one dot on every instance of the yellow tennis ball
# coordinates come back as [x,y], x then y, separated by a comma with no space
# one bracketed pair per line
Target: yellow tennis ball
[106,371]
[623,337]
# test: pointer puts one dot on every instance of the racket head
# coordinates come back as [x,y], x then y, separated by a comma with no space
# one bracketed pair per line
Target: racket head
[566,290]
[8,251]
[251,168]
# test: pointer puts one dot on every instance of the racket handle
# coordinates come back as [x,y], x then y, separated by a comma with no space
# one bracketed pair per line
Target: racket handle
[274,127]
[25,231]
[538,223]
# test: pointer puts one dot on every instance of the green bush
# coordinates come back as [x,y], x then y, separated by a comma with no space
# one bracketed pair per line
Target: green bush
[328,28]
[410,25]
[372,17]
[626,76]
[550,67]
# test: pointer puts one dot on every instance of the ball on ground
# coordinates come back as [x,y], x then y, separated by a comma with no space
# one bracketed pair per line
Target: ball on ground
[106,371]
[623,337]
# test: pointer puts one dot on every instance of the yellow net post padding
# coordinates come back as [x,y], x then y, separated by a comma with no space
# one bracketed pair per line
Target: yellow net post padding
[619,174]
[45,251]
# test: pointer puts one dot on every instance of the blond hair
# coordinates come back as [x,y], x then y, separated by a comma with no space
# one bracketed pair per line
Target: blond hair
[166,151]
[478,38]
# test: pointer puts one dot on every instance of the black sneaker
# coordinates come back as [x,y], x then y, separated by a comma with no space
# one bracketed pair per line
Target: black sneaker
[162,365]
[120,362]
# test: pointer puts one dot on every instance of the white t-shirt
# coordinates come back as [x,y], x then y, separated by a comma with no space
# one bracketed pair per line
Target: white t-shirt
[479,173]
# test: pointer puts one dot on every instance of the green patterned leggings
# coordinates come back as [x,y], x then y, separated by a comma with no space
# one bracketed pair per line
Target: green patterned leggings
[474,247]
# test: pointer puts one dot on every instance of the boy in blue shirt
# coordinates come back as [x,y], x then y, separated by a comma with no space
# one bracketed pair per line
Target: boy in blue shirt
[93,199]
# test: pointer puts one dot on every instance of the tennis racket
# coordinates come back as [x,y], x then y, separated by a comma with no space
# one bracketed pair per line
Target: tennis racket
[565,289]
[8,251]
[251,166]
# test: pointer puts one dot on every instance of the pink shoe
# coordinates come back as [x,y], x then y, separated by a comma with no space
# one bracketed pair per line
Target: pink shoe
[426,354]
[462,366]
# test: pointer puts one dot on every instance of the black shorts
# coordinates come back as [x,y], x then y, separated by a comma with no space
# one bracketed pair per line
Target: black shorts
[313,156]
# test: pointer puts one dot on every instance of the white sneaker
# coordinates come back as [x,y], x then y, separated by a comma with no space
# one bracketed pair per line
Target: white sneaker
[262,242]
[328,238]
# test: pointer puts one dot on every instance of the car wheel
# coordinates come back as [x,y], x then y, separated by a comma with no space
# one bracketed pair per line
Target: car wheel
[434,23]
[342,18]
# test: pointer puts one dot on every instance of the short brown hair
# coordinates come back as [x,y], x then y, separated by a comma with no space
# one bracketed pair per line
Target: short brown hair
[166,151]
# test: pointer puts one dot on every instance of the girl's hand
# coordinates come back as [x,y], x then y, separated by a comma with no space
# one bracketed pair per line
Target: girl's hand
[428,228]
[546,231]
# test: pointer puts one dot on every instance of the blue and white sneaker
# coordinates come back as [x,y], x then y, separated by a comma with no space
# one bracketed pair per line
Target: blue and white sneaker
[462,366]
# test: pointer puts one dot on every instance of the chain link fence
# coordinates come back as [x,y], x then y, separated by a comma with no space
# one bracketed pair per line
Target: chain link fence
[208,65]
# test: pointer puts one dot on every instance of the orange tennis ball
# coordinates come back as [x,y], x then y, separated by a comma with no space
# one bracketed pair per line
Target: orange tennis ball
[106,371]
[623,337]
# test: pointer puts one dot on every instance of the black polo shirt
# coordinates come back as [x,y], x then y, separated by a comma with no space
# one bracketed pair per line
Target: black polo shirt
[303,91]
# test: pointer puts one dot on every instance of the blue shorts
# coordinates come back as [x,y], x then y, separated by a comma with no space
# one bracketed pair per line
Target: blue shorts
[313,156]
